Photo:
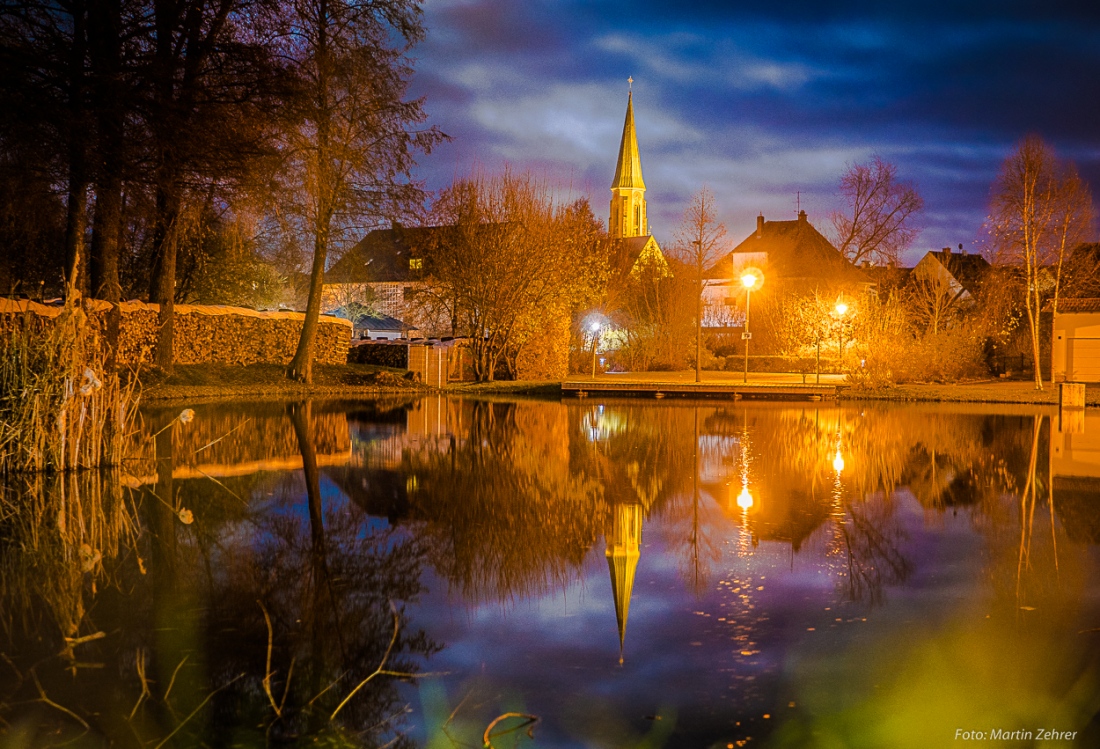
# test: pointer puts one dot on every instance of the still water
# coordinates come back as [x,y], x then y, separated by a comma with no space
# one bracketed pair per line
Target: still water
[616,574]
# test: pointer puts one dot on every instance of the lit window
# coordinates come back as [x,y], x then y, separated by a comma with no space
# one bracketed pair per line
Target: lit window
[416,263]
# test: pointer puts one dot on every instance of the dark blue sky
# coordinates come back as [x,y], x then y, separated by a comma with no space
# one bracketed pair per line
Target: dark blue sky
[759,100]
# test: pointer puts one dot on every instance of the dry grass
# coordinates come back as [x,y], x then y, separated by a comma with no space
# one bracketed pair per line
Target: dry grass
[60,409]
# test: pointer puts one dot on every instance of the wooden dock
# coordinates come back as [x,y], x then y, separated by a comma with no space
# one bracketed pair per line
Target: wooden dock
[728,390]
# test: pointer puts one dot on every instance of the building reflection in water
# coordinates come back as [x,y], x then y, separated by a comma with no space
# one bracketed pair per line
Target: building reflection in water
[324,514]
[624,540]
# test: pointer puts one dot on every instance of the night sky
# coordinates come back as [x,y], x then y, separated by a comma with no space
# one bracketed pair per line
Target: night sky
[760,100]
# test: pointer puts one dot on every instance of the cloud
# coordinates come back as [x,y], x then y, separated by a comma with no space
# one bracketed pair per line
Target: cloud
[761,101]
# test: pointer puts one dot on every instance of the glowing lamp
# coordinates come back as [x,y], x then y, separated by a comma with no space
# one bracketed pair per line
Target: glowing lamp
[841,308]
[748,280]
[744,499]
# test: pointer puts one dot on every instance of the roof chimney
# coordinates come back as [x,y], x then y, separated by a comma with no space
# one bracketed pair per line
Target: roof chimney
[801,217]
[760,226]
[946,250]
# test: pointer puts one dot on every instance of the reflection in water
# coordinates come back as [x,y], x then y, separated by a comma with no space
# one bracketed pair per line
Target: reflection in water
[805,571]
[246,620]
[853,495]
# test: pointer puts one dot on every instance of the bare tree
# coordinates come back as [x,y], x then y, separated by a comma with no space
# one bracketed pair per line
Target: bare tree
[1073,221]
[699,245]
[509,260]
[351,154]
[879,222]
[931,301]
[1039,209]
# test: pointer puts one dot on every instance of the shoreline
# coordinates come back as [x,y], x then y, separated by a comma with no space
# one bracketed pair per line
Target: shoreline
[211,384]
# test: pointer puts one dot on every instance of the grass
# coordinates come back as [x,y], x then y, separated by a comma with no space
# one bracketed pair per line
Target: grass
[220,381]
[992,391]
[508,387]
[61,408]
[216,381]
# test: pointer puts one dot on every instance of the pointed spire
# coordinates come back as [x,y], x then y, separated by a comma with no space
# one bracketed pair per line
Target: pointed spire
[622,561]
[628,170]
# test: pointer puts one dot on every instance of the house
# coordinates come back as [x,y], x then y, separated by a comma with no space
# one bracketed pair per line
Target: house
[385,272]
[960,273]
[1075,343]
[791,255]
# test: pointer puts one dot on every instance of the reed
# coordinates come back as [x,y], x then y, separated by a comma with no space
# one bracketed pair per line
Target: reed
[61,406]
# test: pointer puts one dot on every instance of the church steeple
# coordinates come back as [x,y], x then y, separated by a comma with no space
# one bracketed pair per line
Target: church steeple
[628,209]
[622,553]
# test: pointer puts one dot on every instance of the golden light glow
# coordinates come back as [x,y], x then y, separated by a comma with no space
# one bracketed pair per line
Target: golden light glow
[838,461]
[744,499]
[841,308]
[748,280]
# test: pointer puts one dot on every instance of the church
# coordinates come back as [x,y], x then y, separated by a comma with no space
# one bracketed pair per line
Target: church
[628,221]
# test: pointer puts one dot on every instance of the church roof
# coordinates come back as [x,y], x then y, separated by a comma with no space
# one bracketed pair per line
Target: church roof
[796,251]
[628,169]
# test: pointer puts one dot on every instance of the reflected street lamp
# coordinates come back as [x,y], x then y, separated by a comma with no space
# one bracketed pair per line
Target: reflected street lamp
[744,499]
[748,280]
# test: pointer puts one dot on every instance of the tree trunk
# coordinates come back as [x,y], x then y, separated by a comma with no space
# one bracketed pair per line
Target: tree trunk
[105,50]
[163,290]
[699,332]
[76,256]
[301,366]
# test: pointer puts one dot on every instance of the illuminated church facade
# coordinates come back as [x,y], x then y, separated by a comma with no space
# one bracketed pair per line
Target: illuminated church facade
[628,220]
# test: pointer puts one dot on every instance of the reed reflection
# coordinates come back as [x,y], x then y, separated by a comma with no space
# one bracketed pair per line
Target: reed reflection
[243,608]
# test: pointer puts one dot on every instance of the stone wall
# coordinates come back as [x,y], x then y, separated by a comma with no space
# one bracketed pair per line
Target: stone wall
[211,334]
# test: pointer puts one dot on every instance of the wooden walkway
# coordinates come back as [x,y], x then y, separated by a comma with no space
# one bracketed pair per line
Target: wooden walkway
[729,390]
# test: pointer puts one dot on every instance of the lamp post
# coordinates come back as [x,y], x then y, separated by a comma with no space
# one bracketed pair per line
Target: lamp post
[748,280]
[841,310]
[595,328]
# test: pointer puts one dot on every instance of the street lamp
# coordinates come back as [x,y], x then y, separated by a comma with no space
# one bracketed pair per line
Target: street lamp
[748,280]
[841,310]
[595,328]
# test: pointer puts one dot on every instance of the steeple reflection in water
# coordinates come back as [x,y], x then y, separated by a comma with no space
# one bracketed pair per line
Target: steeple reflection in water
[509,536]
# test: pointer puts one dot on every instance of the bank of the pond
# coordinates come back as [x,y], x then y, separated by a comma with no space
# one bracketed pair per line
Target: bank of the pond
[210,382]
[993,391]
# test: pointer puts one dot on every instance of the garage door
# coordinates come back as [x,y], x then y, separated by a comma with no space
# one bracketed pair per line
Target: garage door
[1083,360]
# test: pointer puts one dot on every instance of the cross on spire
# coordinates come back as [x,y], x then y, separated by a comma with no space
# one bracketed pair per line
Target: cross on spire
[630,83]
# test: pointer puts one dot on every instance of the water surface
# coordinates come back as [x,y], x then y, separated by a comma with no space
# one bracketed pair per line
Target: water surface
[631,573]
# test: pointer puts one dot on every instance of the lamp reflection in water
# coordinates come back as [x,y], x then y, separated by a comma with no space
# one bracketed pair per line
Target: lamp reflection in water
[838,467]
[745,500]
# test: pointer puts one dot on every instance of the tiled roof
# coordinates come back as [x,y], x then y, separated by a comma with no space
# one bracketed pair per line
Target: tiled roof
[796,251]
[968,270]
[382,255]
[1079,305]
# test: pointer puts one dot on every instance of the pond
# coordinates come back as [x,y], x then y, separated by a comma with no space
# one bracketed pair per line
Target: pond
[612,573]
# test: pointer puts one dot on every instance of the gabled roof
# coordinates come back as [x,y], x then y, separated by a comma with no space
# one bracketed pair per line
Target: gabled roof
[1078,305]
[796,251]
[383,255]
[968,270]
[628,169]
[629,250]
